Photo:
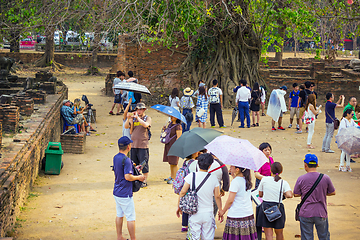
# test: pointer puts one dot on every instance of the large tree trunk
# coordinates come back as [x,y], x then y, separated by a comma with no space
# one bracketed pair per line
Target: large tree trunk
[279,54]
[48,58]
[94,69]
[14,41]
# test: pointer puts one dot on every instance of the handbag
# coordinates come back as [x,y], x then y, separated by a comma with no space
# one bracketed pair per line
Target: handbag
[189,203]
[200,112]
[297,210]
[258,100]
[273,213]
[336,121]
[136,184]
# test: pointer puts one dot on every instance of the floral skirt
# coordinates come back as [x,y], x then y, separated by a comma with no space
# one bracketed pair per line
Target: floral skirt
[240,228]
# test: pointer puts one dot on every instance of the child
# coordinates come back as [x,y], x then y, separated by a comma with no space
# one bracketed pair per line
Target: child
[294,106]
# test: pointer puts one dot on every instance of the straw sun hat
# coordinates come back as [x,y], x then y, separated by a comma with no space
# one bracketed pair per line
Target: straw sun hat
[188,92]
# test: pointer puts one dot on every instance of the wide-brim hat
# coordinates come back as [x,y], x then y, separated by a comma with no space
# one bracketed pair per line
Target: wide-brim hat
[140,105]
[188,92]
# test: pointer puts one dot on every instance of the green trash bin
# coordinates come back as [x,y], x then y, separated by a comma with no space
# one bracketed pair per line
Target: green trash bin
[53,155]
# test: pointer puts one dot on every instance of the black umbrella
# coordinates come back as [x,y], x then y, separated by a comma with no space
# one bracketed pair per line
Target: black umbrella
[192,141]
[234,114]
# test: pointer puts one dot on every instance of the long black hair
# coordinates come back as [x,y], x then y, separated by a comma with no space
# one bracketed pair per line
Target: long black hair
[175,93]
[247,175]
[202,91]
[276,169]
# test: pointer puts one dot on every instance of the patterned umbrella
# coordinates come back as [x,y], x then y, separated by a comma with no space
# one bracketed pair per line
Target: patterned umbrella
[170,111]
[348,140]
[237,152]
[132,87]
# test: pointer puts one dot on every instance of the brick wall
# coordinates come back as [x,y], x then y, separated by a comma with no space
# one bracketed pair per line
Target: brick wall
[73,143]
[21,160]
[69,59]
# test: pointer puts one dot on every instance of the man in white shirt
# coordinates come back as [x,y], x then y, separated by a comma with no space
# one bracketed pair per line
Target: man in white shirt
[242,98]
[216,104]
[120,76]
[202,224]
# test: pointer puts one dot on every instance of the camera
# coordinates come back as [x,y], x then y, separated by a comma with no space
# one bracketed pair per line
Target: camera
[86,100]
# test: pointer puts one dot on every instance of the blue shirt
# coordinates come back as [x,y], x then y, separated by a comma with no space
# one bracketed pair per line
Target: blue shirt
[294,98]
[67,113]
[131,95]
[122,187]
[330,110]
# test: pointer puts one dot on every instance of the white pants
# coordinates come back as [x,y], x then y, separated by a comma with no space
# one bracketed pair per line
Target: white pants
[342,158]
[202,225]
[311,130]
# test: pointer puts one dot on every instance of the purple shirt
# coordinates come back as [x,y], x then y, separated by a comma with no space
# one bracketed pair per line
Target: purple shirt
[315,205]
[265,170]
[122,187]
[330,110]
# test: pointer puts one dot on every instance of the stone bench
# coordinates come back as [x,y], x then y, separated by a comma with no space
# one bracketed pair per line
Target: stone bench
[73,143]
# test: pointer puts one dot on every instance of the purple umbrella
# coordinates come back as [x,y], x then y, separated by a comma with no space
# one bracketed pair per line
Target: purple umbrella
[237,152]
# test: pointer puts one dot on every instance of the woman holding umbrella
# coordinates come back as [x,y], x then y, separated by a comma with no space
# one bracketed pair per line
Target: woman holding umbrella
[346,122]
[174,130]
[240,223]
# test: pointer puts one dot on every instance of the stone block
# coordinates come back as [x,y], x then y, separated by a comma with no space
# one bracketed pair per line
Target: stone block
[73,143]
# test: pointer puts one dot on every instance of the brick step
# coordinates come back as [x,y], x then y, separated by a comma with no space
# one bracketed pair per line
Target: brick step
[291,78]
[290,72]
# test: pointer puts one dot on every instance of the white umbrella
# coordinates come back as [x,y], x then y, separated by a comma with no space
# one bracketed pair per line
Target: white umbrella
[132,87]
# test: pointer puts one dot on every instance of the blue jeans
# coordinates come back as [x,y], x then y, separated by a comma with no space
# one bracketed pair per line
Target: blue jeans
[307,228]
[328,136]
[187,127]
[244,112]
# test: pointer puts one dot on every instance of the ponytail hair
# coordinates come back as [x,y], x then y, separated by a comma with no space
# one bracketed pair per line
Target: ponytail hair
[276,169]
[247,175]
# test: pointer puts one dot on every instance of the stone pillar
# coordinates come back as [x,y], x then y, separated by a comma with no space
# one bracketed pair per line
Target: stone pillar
[120,61]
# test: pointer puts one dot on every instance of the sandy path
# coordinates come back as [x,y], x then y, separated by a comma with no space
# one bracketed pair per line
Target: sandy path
[78,203]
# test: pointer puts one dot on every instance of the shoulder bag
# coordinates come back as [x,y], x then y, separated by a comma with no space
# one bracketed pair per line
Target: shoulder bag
[136,184]
[336,121]
[297,210]
[273,213]
[189,202]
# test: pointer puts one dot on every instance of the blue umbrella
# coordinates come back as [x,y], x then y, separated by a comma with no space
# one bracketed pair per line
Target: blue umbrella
[170,111]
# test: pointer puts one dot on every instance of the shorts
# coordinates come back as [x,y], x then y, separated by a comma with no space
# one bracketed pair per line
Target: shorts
[125,206]
[139,155]
[79,119]
[202,225]
[293,111]
[117,98]
[301,112]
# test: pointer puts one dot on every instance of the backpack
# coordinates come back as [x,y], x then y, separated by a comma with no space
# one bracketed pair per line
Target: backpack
[180,175]
[213,96]
[258,99]
[189,203]
[165,135]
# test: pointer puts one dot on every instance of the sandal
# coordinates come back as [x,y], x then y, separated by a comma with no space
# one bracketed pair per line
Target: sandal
[111,113]
[253,125]
[257,124]
[93,130]
[310,147]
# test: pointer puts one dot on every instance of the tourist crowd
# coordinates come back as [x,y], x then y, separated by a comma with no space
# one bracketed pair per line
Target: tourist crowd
[203,179]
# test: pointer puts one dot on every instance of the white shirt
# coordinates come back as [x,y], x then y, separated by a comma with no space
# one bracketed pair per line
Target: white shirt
[242,205]
[194,167]
[116,81]
[271,189]
[243,94]
[214,95]
[174,102]
[206,192]
[344,123]
[263,95]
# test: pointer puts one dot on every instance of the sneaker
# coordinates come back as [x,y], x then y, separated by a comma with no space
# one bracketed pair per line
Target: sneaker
[144,185]
[297,127]
[170,181]
[281,128]
[329,151]
[122,111]
[238,120]
[241,127]
[348,168]
[223,126]
[212,126]
[111,113]
[87,134]
[273,129]
[352,161]
[184,229]
[342,169]
[298,132]
[290,126]
[263,114]
[257,124]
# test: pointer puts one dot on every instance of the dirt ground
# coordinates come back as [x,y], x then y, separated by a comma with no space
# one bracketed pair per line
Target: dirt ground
[78,203]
